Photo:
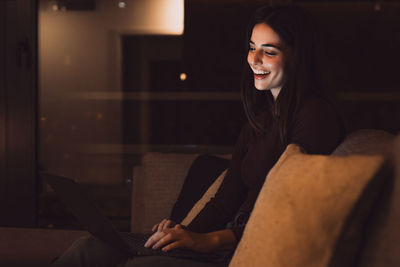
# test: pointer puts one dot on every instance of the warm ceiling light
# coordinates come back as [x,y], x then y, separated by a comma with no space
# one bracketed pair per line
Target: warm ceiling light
[164,16]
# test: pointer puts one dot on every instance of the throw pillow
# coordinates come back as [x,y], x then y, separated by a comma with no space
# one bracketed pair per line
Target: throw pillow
[302,209]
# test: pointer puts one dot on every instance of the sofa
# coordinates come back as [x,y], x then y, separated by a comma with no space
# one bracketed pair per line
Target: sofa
[365,235]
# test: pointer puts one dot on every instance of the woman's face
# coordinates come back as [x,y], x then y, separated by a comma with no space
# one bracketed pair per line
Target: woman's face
[266,58]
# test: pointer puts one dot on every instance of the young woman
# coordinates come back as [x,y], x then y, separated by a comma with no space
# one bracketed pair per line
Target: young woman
[283,105]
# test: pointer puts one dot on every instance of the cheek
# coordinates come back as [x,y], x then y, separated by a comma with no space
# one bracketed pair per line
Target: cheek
[281,72]
[281,64]
[278,67]
[270,66]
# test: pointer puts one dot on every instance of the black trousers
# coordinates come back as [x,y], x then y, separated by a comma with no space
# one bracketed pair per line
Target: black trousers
[88,251]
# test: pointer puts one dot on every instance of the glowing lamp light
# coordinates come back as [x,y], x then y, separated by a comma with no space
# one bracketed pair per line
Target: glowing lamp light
[183,76]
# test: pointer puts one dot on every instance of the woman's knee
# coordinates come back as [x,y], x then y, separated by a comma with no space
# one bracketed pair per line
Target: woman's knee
[87,242]
[93,247]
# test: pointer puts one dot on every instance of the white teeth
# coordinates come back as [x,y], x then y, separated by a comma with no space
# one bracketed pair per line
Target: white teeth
[261,72]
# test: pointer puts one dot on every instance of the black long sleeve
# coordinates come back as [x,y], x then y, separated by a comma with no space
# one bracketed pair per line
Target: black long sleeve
[316,128]
[232,192]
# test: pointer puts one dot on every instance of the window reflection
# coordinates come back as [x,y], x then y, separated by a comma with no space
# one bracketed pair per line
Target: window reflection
[85,67]
[114,84]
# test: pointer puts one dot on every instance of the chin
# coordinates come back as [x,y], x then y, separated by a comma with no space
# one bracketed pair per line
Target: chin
[260,88]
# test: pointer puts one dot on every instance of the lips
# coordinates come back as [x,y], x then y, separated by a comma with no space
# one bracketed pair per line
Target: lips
[260,74]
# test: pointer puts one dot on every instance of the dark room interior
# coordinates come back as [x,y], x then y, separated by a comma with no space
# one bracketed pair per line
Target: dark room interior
[88,87]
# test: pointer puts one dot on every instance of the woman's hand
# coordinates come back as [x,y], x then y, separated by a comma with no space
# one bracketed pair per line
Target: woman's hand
[163,225]
[180,237]
[159,230]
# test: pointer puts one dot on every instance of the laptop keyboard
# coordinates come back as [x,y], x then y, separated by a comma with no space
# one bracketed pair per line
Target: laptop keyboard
[136,243]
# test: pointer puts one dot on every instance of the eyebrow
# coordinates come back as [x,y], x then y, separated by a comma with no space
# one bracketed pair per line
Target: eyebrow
[267,45]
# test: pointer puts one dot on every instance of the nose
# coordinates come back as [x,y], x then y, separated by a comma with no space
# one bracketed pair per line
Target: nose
[257,57]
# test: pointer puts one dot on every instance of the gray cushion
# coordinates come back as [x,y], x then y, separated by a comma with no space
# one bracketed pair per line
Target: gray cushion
[366,142]
[382,242]
[156,186]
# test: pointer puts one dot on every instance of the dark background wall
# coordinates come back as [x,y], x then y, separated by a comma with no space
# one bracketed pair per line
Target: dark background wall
[358,56]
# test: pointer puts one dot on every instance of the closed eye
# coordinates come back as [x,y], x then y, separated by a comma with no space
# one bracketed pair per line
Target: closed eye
[268,53]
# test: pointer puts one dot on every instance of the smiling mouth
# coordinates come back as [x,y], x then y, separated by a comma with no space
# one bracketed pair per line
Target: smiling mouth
[260,74]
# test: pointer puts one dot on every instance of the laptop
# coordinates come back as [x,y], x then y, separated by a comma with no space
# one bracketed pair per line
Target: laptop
[99,226]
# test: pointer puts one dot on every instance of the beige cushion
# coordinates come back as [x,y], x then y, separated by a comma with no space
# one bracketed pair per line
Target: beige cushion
[211,191]
[302,208]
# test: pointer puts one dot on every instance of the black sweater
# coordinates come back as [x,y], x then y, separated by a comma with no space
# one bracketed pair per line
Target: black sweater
[317,128]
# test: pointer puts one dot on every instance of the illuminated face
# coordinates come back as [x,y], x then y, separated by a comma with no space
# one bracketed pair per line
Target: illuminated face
[266,59]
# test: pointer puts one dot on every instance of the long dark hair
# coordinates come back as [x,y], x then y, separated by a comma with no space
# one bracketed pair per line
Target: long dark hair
[295,29]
